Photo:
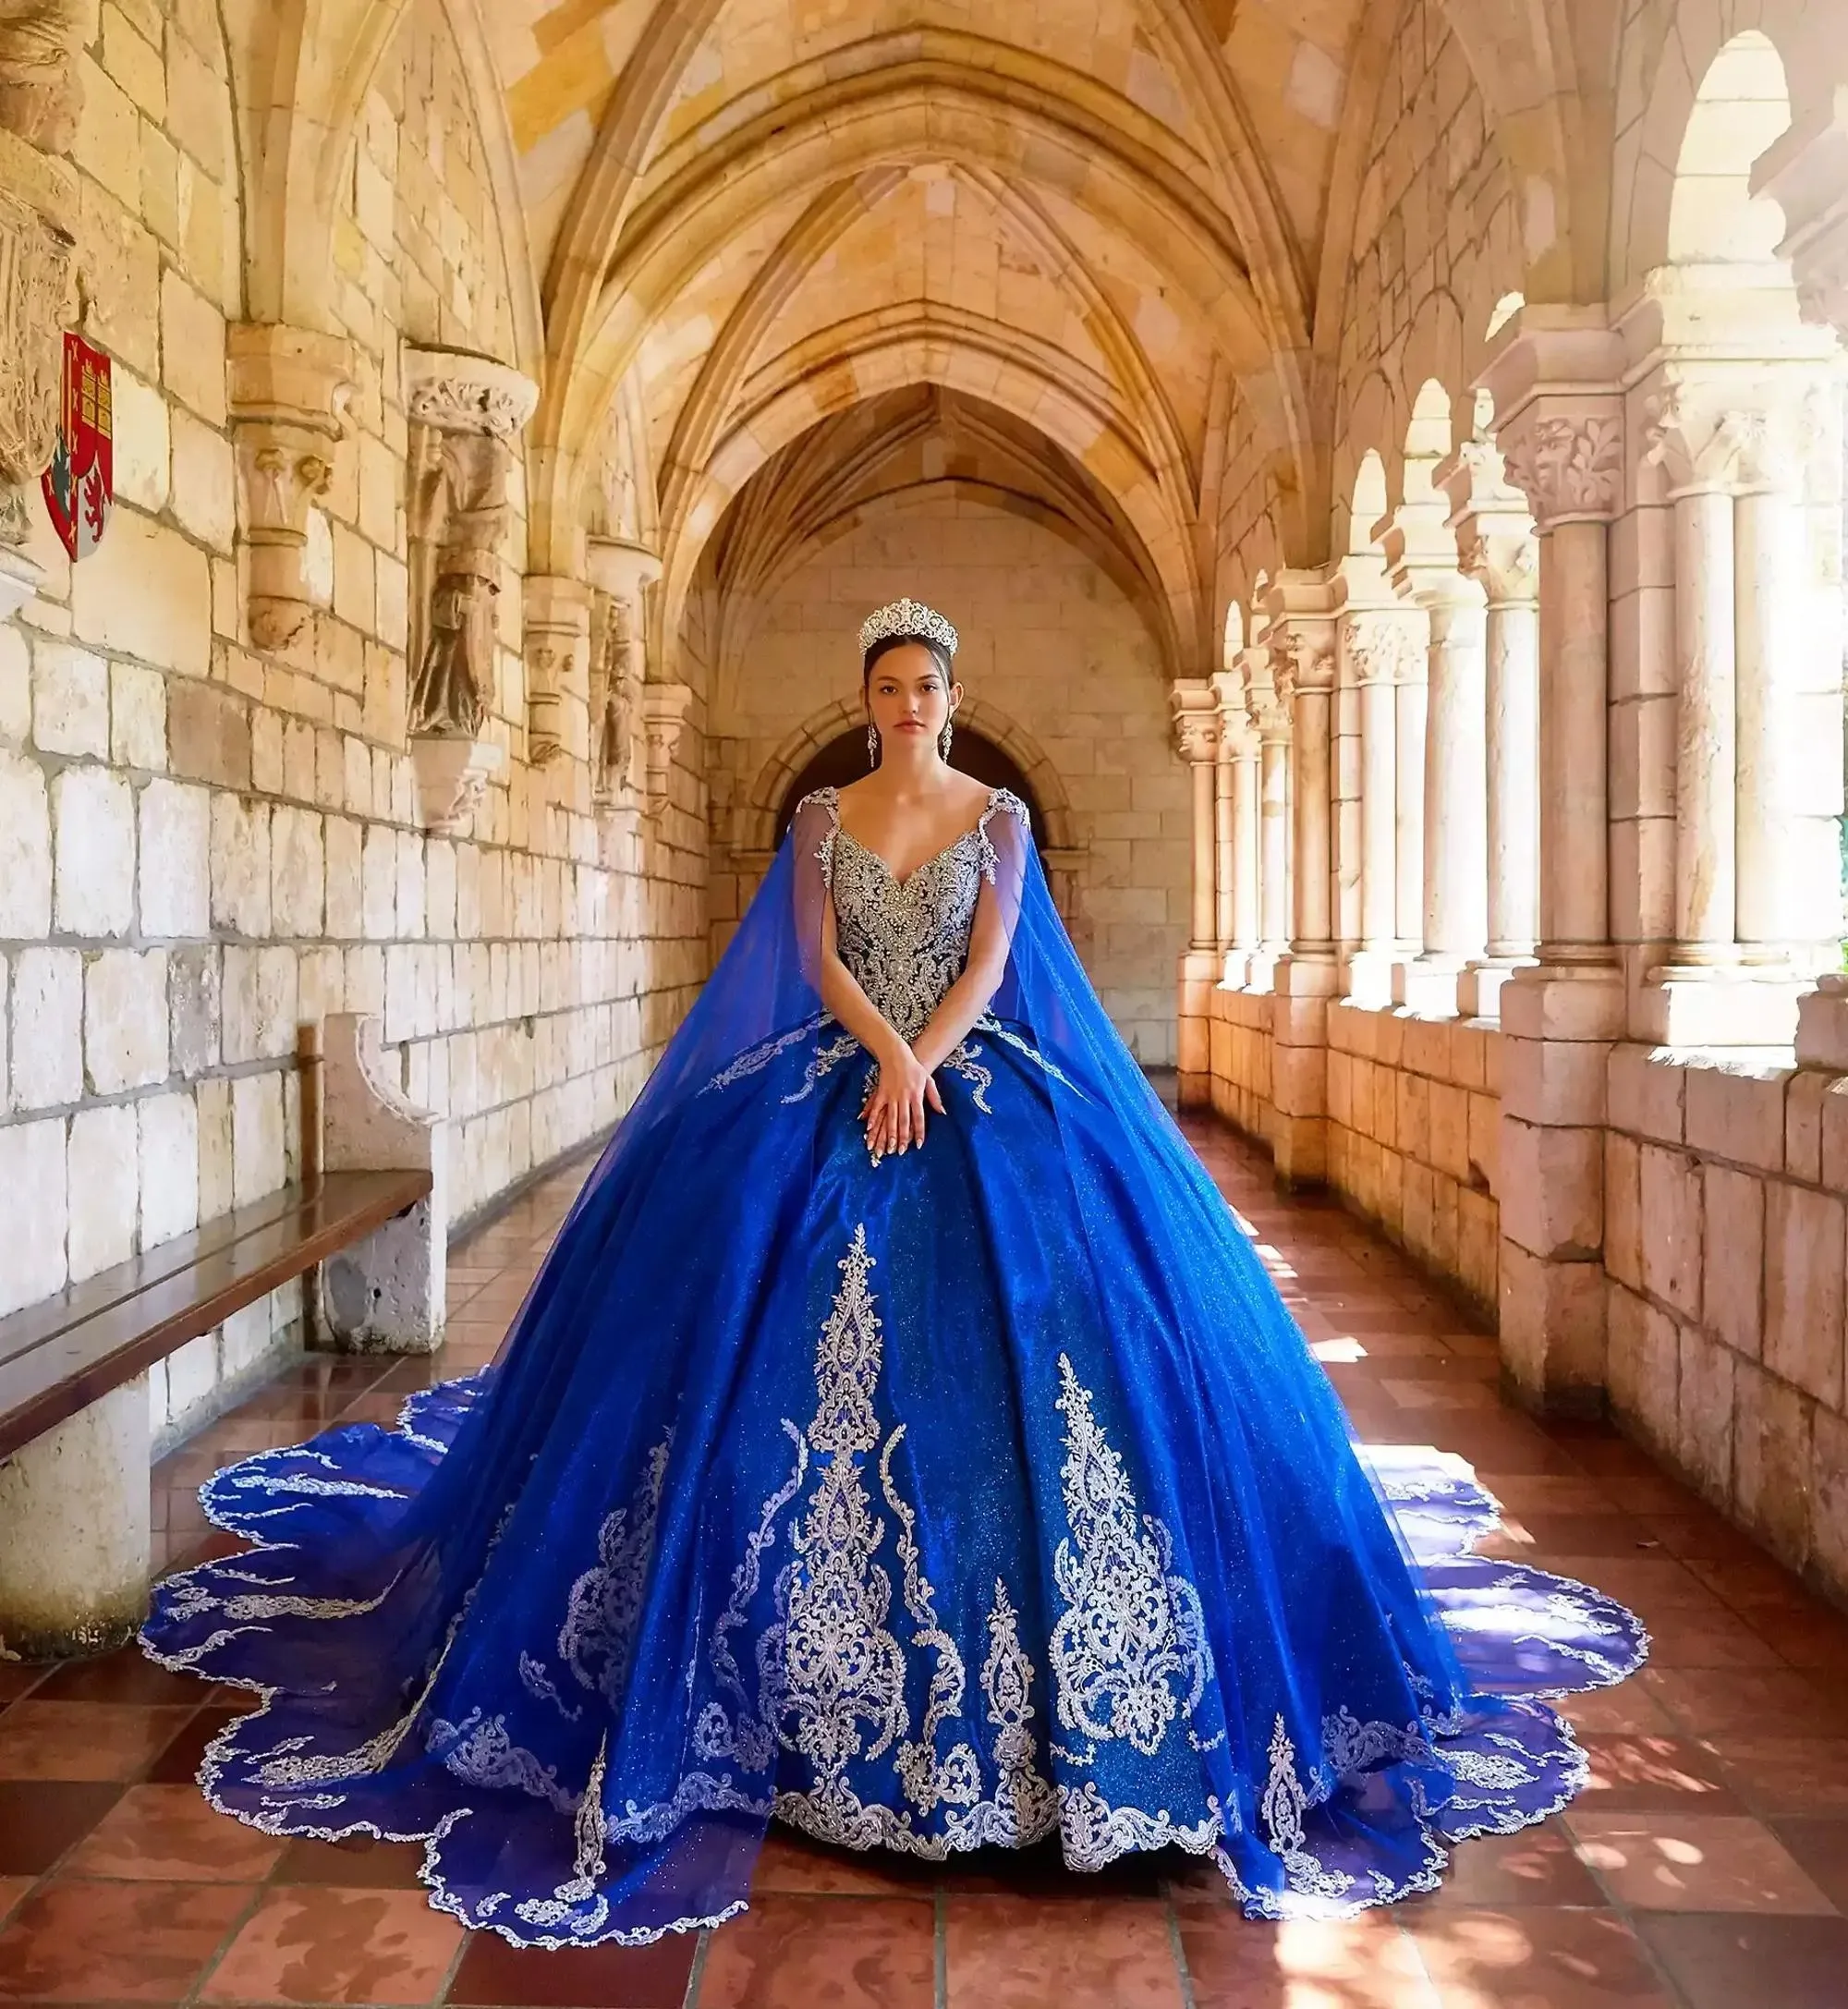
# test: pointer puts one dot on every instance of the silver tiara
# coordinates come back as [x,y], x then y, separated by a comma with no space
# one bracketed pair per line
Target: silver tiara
[907,617]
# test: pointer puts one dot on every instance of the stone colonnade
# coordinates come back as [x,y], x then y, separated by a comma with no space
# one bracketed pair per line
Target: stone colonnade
[1584,687]
[1585,1050]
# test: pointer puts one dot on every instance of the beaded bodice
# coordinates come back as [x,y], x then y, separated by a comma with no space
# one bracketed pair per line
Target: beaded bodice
[907,940]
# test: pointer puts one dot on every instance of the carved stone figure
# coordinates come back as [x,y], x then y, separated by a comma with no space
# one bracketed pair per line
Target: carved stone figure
[39,94]
[615,700]
[453,679]
[449,691]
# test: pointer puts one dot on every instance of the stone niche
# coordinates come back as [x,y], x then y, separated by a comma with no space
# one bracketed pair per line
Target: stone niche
[466,412]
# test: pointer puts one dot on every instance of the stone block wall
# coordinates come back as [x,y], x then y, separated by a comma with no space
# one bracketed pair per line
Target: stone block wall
[1240,1042]
[1725,1198]
[1412,1125]
[202,845]
[1414,1119]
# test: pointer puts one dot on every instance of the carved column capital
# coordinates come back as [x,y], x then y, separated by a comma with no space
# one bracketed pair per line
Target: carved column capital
[453,391]
[1299,663]
[1495,539]
[1568,463]
[665,707]
[1195,709]
[1699,438]
[1265,705]
[1235,721]
[289,390]
[620,569]
[1556,383]
[1736,432]
[1381,645]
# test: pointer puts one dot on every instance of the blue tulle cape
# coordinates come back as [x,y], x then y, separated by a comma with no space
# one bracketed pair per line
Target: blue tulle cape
[973,1496]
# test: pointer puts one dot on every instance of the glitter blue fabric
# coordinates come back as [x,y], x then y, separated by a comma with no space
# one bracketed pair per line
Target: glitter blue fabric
[973,1496]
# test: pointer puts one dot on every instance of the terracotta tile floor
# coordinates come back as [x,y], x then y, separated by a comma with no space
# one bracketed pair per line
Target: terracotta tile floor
[1705,1867]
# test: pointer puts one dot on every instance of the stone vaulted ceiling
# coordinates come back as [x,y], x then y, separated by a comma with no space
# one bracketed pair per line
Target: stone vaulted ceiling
[1125,225]
[1097,222]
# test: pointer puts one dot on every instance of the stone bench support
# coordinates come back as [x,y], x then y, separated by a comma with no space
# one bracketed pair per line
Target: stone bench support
[75,1545]
[385,1294]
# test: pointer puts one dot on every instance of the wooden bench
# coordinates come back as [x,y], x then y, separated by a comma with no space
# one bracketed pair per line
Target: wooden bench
[59,1357]
[368,1223]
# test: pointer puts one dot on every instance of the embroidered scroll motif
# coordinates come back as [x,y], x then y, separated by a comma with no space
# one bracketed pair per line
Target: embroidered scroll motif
[830,1664]
[1282,1809]
[1027,1802]
[604,1606]
[1133,1631]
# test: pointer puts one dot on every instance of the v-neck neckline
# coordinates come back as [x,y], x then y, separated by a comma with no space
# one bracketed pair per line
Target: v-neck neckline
[879,859]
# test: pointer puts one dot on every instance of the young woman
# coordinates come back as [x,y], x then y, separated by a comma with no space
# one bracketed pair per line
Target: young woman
[901,1442]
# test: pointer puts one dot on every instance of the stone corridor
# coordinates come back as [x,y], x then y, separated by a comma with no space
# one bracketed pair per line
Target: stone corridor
[1705,1867]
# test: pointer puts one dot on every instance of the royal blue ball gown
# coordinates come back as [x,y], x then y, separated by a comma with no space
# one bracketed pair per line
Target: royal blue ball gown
[977,1496]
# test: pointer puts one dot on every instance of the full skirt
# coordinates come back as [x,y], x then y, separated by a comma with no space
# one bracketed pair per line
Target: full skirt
[979,1495]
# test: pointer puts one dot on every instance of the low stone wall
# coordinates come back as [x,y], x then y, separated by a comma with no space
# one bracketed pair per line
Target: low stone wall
[1724,1209]
[1726,1233]
[208,1374]
[1240,1042]
[1413,1124]
[1412,1127]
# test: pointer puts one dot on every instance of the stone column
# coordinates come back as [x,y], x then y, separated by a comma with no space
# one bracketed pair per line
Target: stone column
[1411,703]
[1496,547]
[1728,458]
[1455,822]
[1377,643]
[1346,813]
[1269,718]
[1700,448]
[1787,551]
[1302,642]
[1559,423]
[1238,893]
[289,390]
[465,412]
[1196,735]
[1768,552]
[1224,842]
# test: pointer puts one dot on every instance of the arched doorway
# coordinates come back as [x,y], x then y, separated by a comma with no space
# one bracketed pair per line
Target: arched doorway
[844,759]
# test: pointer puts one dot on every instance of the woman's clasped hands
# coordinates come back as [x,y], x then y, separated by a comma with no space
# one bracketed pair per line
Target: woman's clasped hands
[897,1099]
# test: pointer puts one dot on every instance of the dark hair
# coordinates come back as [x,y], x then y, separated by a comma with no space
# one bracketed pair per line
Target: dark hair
[939,654]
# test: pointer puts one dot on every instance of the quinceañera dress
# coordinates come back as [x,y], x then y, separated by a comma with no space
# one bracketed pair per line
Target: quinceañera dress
[979,1495]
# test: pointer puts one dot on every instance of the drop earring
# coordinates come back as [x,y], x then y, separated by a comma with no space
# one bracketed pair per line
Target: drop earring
[872,745]
[947,734]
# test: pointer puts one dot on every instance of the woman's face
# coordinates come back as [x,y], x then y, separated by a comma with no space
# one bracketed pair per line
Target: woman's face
[908,697]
